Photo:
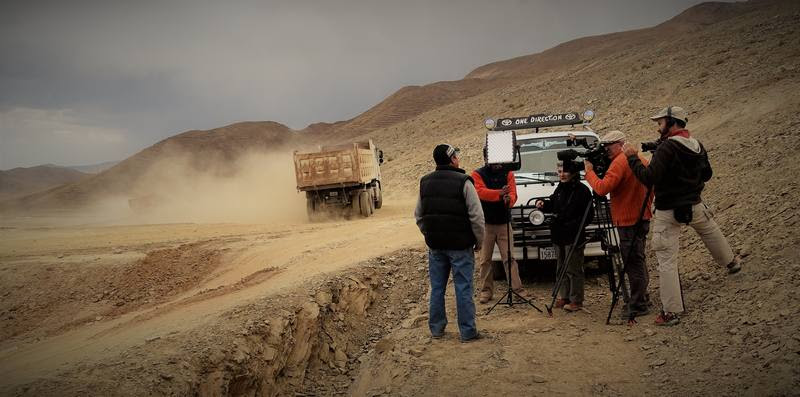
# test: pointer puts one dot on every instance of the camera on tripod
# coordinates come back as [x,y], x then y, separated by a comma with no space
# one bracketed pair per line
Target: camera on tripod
[595,153]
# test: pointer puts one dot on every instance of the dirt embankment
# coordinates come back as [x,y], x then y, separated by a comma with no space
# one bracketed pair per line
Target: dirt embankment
[306,342]
[59,296]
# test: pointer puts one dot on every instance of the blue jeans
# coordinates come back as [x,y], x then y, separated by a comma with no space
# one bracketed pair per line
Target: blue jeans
[462,264]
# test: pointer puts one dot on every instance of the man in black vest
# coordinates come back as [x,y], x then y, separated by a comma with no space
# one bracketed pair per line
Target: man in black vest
[450,217]
[497,191]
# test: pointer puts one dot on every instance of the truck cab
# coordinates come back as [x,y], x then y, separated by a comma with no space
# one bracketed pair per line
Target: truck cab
[537,179]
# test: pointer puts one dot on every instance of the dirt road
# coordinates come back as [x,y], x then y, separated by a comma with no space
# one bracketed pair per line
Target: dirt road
[59,310]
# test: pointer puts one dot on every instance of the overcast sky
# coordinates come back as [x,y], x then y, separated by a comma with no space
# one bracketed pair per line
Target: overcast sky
[83,82]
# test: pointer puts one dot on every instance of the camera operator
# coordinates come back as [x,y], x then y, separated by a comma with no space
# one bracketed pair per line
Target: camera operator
[627,196]
[449,215]
[568,203]
[678,171]
[497,191]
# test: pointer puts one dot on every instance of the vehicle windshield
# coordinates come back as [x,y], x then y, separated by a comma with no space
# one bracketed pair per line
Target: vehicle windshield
[539,155]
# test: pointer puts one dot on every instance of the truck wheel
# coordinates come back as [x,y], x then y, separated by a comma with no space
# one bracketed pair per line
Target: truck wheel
[378,197]
[312,209]
[364,205]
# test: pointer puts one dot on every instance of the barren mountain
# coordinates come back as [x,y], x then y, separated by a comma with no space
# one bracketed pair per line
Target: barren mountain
[338,307]
[211,152]
[22,181]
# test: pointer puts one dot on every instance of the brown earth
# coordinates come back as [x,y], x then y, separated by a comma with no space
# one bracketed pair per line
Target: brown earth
[23,181]
[286,307]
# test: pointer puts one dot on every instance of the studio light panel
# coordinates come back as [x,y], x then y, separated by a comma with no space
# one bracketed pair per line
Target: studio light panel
[500,147]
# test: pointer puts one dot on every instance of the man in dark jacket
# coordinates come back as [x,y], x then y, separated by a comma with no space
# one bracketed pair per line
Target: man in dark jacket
[678,172]
[569,202]
[497,190]
[450,217]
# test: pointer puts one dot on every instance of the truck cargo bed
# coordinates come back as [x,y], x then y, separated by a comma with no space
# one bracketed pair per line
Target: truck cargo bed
[336,166]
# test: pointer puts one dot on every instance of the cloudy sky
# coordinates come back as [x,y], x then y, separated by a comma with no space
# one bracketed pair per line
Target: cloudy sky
[83,82]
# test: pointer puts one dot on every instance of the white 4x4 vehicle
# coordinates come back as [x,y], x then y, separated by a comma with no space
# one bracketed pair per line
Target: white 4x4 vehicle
[537,179]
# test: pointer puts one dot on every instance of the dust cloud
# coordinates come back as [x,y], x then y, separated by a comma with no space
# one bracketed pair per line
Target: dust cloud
[255,188]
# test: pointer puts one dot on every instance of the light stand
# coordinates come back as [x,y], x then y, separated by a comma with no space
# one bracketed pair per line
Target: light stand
[501,148]
[510,293]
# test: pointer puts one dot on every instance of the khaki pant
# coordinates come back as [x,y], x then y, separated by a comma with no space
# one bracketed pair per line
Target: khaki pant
[666,231]
[496,234]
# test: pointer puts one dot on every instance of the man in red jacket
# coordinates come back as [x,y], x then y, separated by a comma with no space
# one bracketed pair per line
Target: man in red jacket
[497,191]
[627,196]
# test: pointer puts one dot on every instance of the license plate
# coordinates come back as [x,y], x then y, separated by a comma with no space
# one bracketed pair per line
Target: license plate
[547,253]
[334,194]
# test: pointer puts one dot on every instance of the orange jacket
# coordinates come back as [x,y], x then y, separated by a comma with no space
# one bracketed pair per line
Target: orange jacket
[486,194]
[626,191]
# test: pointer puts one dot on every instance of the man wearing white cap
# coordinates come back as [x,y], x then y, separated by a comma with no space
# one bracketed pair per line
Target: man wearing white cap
[678,171]
[627,198]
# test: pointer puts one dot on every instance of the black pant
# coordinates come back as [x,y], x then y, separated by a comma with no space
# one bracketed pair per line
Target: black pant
[635,266]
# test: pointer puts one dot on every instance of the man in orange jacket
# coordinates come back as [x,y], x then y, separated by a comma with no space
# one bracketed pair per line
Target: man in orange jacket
[627,195]
[497,191]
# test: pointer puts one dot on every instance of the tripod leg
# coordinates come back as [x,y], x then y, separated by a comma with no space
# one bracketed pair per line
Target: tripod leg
[568,256]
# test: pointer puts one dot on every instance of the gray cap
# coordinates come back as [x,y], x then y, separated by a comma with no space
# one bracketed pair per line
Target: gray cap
[612,137]
[676,112]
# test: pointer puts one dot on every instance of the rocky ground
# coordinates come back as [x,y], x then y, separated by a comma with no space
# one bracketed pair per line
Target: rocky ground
[339,307]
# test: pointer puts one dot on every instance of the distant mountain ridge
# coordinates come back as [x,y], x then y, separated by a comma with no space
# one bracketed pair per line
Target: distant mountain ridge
[93,168]
[223,144]
[22,181]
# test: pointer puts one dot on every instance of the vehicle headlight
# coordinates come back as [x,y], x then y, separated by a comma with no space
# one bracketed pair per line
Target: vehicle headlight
[489,123]
[536,217]
[588,115]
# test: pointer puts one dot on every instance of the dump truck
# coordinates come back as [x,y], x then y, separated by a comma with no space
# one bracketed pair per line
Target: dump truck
[339,177]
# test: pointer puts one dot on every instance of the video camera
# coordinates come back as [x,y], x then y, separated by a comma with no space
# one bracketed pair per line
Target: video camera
[651,146]
[595,153]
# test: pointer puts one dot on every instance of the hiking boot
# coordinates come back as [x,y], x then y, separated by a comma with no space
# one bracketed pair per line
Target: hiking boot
[484,298]
[560,303]
[667,319]
[573,307]
[637,311]
[522,293]
[478,336]
[735,265]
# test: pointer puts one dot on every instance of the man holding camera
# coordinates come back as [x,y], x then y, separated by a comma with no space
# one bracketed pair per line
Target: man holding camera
[497,191]
[678,171]
[450,217]
[627,198]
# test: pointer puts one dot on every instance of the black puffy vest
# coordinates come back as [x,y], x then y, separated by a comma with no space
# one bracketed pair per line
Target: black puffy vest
[494,212]
[445,218]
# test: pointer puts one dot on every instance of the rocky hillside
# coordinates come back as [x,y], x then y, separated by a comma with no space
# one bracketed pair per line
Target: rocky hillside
[567,71]
[26,180]
[211,152]
[739,78]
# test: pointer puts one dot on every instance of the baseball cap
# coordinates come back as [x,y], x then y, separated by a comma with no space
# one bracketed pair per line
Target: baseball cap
[676,112]
[612,137]
[443,152]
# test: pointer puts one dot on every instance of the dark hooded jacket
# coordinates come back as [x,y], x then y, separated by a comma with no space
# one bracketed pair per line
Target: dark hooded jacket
[568,202]
[678,171]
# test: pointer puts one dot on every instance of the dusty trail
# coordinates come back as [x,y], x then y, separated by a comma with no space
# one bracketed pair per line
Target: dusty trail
[256,261]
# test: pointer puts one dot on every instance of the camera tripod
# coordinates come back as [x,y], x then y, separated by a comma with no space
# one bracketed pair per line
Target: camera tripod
[615,289]
[609,240]
[508,298]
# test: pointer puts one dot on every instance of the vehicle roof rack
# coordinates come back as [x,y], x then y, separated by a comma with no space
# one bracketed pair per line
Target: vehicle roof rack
[540,120]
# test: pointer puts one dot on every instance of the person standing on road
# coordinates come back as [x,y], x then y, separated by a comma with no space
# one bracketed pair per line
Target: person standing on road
[568,203]
[627,197]
[449,215]
[678,171]
[497,191]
